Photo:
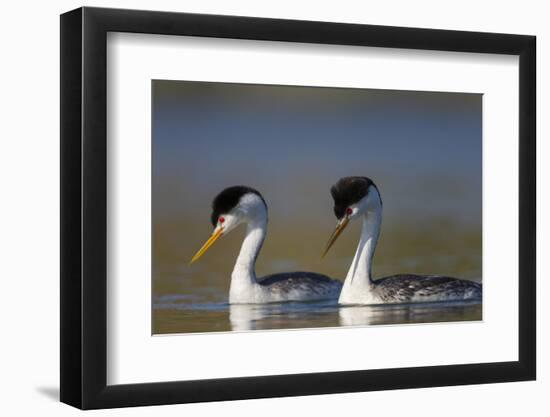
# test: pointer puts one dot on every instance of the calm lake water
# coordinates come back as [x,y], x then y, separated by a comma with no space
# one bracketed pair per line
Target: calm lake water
[178,314]
[194,298]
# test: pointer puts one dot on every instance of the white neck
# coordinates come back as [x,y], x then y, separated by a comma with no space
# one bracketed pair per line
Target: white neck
[357,286]
[243,277]
[361,266]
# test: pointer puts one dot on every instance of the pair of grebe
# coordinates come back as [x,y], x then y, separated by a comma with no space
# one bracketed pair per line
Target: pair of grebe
[354,198]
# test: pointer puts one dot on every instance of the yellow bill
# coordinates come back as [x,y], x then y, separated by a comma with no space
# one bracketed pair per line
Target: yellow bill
[339,229]
[215,236]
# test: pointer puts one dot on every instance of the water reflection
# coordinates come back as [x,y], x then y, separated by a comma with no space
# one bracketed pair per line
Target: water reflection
[288,315]
[244,316]
[184,314]
[409,313]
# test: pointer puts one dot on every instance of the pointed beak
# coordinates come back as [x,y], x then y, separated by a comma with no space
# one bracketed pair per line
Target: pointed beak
[215,236]
[340,226]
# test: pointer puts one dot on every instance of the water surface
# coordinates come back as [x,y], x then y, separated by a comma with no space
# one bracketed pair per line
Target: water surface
[179,314]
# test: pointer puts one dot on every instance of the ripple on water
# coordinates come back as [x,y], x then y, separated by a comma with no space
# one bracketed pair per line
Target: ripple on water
[191,314]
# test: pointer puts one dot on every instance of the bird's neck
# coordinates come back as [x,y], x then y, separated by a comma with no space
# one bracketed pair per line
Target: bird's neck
[359,273]
[244,275]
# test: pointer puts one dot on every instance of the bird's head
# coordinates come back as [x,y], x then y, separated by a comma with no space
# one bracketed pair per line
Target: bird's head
[232,207]
[353,197]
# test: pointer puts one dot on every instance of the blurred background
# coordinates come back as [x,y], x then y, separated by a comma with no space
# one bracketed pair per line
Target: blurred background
[422,149]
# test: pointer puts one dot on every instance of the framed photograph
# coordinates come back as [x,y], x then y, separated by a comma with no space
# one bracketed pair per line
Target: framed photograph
[258,208]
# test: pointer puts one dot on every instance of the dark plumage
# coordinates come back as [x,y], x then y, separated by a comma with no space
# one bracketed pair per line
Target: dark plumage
[310,282]
[408,287]
[228,199]
[348,191]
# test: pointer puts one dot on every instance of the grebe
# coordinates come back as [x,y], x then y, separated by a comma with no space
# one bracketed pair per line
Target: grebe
[358,198]
[240,204]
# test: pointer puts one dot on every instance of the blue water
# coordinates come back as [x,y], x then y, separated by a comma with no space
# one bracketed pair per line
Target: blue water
[183,314]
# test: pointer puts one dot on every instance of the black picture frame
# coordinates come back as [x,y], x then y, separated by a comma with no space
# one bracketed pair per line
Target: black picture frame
[84,207]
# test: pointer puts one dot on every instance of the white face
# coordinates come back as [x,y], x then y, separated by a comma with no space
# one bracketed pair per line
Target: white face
[370,203]
[249,209]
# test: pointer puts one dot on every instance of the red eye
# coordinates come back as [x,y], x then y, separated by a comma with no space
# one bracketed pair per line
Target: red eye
[349,211]
[221,219]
